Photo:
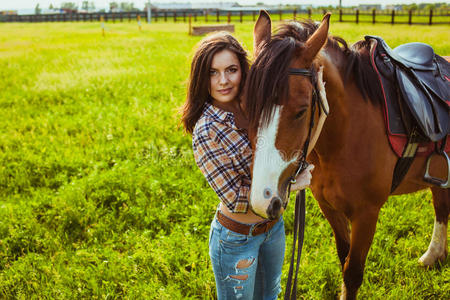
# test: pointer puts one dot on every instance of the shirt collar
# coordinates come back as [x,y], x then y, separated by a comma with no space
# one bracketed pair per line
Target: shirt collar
[219,114]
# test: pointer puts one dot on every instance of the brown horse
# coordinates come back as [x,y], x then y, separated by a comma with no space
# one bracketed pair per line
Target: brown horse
[353,160]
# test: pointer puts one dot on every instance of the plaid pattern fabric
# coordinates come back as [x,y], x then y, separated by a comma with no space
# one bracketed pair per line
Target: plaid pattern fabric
[223,154]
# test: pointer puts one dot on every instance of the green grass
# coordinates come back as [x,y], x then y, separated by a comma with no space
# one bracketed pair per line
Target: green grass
[100,195]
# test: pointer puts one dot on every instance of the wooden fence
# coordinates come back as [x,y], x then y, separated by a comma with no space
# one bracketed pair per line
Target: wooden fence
[431,17]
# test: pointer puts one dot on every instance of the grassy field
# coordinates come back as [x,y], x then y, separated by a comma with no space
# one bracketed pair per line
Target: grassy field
[100,197]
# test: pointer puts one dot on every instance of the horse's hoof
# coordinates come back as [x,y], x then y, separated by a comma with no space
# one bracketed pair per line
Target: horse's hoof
[431,257]
[437,250]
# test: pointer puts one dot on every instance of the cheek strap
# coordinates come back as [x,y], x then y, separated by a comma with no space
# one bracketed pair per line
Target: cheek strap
[324,109]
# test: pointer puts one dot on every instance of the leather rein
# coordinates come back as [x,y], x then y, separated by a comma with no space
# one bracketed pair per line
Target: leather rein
[299,220]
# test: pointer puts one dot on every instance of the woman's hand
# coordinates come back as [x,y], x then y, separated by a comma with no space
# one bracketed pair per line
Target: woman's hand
[303,179]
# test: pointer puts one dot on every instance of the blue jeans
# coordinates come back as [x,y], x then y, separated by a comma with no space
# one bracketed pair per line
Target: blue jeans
[246,266]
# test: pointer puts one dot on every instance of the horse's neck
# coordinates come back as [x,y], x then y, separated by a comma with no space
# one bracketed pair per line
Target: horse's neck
[352,120]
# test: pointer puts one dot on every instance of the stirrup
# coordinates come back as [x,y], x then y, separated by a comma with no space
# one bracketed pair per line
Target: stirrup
[437,181]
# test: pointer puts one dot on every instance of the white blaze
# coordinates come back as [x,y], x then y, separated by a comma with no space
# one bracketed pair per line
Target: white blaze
[268,165]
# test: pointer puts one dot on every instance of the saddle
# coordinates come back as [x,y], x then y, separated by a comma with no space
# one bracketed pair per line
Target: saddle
[415,83]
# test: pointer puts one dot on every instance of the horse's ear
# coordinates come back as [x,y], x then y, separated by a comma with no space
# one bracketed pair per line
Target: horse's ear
[317,40]
[262,32]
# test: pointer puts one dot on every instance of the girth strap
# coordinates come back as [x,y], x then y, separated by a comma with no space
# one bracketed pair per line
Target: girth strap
[404,163]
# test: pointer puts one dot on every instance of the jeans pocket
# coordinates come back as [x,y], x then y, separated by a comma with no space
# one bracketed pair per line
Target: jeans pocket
[233,239]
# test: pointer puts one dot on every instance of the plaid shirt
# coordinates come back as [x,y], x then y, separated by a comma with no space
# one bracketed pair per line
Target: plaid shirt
[223,154]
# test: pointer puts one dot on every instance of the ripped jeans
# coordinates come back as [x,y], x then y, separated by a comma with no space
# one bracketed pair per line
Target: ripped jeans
[246,266]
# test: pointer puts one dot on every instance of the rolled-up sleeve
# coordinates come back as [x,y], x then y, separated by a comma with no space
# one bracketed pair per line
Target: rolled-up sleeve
[218,169]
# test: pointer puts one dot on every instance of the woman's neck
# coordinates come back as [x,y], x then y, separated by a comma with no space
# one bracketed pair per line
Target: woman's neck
[232,106]
[235,108]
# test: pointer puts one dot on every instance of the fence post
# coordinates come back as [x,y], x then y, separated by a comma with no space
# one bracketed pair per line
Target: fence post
[281,15]
[295,13]
[309,13]
[113,17]
[174,16]
[357,16]
[195,17]
[340,15]
[373,16]
[431,17]
[229,18]
[102,24]
[410,17]
[217,16]
[121,17]
[156,15]
[184,16]
[253,13]
[206,16]
[190,24]
[393,16]
[165,16]
[240,16]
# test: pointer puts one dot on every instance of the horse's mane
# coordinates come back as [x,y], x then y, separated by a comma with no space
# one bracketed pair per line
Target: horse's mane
[267,81]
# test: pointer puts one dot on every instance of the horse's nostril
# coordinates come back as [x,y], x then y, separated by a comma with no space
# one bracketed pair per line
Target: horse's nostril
[273,211]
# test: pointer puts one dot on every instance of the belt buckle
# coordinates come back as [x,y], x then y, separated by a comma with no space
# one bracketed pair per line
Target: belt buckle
[263,225]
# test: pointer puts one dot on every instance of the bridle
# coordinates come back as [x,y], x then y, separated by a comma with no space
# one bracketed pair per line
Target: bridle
[299,221]
[316,100]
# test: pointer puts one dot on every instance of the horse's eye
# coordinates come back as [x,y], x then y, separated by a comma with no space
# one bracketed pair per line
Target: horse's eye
[300,114]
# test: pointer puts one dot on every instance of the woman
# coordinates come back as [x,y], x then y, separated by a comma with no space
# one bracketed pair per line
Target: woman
[246,251]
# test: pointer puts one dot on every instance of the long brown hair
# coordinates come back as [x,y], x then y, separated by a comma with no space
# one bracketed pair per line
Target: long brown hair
[199,79]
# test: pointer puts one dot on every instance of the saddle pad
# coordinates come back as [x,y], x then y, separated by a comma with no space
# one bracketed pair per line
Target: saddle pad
[395,127]
[398,143]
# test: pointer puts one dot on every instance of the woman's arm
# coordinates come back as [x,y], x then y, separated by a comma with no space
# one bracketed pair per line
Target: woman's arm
[217,167]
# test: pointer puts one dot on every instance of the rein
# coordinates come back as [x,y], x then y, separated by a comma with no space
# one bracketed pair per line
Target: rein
[299,220]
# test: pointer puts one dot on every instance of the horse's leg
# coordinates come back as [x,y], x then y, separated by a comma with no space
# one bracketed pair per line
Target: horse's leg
[362,232]
[437,250]
[339,224]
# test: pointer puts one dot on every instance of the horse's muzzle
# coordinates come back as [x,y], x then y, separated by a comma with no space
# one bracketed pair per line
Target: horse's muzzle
[274,208]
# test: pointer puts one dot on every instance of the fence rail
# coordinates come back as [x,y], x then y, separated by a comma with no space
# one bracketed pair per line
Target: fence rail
[431,17]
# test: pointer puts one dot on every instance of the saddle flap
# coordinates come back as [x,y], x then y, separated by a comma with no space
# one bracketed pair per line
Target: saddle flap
[431,114]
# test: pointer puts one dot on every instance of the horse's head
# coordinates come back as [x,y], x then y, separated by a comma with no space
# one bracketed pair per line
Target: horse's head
[279,96]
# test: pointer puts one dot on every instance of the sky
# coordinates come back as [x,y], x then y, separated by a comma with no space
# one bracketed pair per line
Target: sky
[28,4]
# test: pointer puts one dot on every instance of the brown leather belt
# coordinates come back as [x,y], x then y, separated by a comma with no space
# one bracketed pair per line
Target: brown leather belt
[241,228]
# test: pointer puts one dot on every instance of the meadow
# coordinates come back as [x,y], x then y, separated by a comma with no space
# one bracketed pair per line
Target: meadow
[100,197]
